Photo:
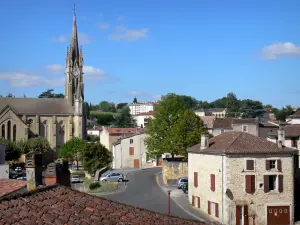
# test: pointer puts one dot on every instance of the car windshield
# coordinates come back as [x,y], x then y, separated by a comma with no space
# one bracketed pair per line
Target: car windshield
[184,180]
[75,176]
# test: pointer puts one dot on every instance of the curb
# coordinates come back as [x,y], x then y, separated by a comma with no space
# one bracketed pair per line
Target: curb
[188,212]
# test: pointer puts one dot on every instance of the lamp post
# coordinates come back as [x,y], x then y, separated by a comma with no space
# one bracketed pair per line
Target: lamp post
[169,202]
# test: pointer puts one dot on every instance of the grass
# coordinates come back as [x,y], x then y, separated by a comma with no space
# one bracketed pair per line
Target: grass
[104,186]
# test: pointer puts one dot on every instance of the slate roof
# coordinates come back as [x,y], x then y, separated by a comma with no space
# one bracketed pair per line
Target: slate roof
[240,143]
[292,130]
[60,205]
[46,106]
[8,186]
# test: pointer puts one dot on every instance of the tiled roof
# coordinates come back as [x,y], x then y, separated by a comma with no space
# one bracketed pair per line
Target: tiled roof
[61,205]
[296,115]
[268,124]
[208,121]
[8,186]
[151,113]
[37,105]
[244,121]
[240,143]
[120,131]
[224,123]
[292,130]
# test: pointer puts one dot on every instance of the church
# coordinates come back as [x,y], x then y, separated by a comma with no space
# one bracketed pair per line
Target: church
[56,119]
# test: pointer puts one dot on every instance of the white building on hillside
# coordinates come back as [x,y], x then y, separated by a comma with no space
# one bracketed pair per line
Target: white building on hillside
[142,119]
[142,107]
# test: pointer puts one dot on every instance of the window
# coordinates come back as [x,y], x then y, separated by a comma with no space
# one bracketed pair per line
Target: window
[131,150]
[14,132]
[273,164]
[213,209]
[8,130]
[250,164]
[131,141]
[195,179]
[3,131]
[244,128]
[212,182]
[242,215]
[273,183]
[250,184]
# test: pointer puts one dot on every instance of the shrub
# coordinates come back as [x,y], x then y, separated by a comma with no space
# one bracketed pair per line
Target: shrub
[94,185]
[79,173]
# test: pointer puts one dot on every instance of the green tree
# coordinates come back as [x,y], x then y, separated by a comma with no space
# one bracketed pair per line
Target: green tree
[173,123]
[124,118]
[49,94]
[95,156]
[10,95]
[93,138]
[106,106]
[251,109]
[37,145]
[191,102]
[86,110]
[12,152]
[121,105]
[104,119]
[135,100]
[72,149]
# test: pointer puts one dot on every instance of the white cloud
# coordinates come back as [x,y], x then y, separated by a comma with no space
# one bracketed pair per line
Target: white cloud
[82,38]
[280,49]
[126,34]
[103,26]
[55,68]
[26,80]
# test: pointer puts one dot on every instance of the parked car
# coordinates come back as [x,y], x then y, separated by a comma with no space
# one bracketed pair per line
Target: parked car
[112,177]
[181,181]
[21,178]
[75,179]
[18,169]
[185,188]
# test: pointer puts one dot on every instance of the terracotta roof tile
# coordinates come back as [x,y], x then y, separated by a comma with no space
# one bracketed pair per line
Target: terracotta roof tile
[244,121]
[208,121]
[120,131]
[224,123]
[292,130]
[61,205]
[242,143]
[8,186]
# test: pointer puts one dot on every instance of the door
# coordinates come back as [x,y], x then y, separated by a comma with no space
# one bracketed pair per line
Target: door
[159,162]
[278,215]
[136,163]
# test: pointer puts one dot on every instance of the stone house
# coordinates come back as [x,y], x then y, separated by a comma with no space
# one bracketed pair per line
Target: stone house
[239,179]
[56,119]
[294,119]
[217,112]
[109,135]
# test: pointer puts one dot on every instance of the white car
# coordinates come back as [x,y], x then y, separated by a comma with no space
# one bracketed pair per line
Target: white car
[75,179]
[113,177]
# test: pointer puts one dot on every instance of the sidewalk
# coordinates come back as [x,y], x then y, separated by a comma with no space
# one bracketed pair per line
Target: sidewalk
[182,201]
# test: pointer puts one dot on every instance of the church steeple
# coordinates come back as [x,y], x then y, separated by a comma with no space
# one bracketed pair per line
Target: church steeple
[74,73]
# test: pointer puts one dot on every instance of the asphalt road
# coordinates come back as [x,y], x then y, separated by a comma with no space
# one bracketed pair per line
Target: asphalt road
[143,191]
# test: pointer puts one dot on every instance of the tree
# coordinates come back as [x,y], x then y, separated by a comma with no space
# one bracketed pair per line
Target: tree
[121,105]
[24,96]
[10,95]
[49,94]
[173,123]
[86,110]
[191,102]
[251,109]
[124,118]
[135,100]
[104,119]
[93,138]
[37,145]
[95,156]
[12,152]
[72,149]
[106,106]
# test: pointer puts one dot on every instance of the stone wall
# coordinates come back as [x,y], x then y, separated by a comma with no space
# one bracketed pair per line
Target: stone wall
[174,169]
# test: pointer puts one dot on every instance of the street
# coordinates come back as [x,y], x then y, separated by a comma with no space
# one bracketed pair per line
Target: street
[143,191]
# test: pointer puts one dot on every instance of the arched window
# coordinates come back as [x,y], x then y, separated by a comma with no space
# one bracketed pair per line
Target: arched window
[8,130]
[46,132]
[14,132]
[3,131]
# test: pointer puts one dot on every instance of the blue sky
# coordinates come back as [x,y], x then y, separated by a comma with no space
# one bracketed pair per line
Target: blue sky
[204,49]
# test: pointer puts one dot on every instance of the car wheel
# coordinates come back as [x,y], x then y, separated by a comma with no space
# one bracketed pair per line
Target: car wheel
[120,180]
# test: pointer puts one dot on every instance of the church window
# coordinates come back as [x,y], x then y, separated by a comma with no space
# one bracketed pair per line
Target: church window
[8,129]
[3,131]
[14,132]
[30,121]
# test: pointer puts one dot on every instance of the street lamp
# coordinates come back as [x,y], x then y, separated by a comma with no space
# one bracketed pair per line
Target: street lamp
[169,202]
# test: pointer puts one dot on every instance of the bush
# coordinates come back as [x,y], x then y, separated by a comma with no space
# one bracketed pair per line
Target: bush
[79,173]
[94,185]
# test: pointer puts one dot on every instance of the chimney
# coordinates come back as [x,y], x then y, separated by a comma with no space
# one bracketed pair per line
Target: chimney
[204,141]
[58,173]
[281,135]
[34,171]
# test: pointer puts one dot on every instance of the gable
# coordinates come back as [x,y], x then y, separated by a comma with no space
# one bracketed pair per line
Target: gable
[8,113]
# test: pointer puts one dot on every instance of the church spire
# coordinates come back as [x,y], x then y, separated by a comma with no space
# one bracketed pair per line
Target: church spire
[74,42]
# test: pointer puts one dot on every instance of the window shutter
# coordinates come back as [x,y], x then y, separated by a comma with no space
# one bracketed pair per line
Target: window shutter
[131,150]
[248,184]
[267,165]
[212,182]
[246,218]
[208,207]
[280,183]
[217,210]
[195,179]
[250,165]
[266,183]
[199,202]
[238,215]
[279,165]
[193,200]
[252,184]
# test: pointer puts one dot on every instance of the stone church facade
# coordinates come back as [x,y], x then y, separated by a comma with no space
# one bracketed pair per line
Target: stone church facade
[56,119]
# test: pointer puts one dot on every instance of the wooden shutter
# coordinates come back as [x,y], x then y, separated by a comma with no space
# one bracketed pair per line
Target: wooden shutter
[279,167]
[267,165]
[238,215]
[212,182]
[217,210]
[208,207]
[246,218]
[248,184]
[250,165]
[131,150]
[193,200]
[280,183]
[252,184]
[199,202]
[293,143]
[266,183]
[195,179]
